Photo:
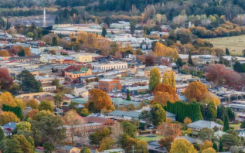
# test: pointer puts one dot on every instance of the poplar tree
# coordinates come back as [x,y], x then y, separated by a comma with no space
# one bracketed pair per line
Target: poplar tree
[155,78]
[226,123]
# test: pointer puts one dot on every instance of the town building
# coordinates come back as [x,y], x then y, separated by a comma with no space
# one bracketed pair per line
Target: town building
[111,65]
[110,85]
[80,73]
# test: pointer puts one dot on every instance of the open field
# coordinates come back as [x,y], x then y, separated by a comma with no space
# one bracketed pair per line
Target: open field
[235,44]
[235,126]
[157,137]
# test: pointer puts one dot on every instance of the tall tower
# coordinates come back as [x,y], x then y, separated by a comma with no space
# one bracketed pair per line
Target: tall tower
[44,17]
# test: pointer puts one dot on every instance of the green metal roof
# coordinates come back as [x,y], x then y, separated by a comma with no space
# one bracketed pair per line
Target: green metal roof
[82,70]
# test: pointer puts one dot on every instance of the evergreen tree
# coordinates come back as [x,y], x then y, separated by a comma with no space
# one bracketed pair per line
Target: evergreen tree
[54,42]
[179,62]
[107,20]
[8,25]
[190,62]
[215,146]
[16,110]
[128,95]
[28,83]
[226,123]
[104,32]
[211,111]
[1,134]
[158,114]
[227,52]
[132,26]
[238,67]
[221,146]
[56,21]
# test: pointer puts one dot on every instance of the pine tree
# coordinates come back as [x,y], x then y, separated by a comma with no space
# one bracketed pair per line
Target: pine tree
[226,123]
[220,146]
[54,42]
[211,111]
[56,21]
[128,95]
[190,60]
[104,32]
[215,146]
[1,134]
[227,52]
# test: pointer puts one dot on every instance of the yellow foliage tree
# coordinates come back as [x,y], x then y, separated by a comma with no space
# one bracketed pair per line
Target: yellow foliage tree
[155,78]
[106,143]
[7,98]
[209,97]
[6,117]
[162,50]
[4,53]
[187,120]
[33,104]
[209,150]
[196,91]
[206,144]
[182,146]
[19,102]
[169,79]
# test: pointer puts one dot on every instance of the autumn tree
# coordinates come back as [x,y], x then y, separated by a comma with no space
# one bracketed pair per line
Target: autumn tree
[72,119]
[32,113]
[99,100]
[33,104]
[187,120]
[149,61]
[164,51]
[5,79]
[195,91]
[166,142]
[169,129]
[155,78]
[169,79]
[209,97]
[7,99]
[96,137]
[6,117]
[26,146]
[205,145]
[106,143]
[181,146]
[46,105]
[116,132]
[85,150]
[4,53]
[209,150]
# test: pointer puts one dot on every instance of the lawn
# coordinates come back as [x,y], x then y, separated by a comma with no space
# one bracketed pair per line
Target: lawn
[157,137]
[235,126]
[235,43]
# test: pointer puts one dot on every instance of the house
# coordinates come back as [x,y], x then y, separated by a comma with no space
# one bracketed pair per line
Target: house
[77,74]
[9,128]
[201,124]
[161,68]
[102,120]
[154,147]
[110,85]
[191,140]
[69,149]
[83,57]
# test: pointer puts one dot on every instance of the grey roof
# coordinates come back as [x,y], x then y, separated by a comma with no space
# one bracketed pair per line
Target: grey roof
[191,140]
[168,114]
[204,124]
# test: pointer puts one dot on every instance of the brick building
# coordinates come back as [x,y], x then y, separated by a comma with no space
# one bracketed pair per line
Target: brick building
[110,85]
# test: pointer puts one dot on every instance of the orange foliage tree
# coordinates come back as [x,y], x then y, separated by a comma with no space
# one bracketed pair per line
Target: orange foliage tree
[99,100]
[164,93]
[169,129]
[206,144]
[196,91]
[162,50]
[4,53]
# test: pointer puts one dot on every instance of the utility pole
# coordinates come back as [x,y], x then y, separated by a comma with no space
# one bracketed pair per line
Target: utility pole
[133,149]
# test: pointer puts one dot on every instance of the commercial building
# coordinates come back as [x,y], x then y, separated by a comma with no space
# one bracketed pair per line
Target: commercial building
[77,74]
[110,85]
[110,65]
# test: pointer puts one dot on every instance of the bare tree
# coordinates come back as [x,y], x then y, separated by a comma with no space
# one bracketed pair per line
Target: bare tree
[116,132]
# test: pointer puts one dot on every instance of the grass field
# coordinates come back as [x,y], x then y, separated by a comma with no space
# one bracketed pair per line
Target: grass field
[149,138]
[235,126]
[235,44]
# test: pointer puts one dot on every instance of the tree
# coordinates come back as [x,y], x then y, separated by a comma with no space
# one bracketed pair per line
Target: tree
[1,134]
[226,123]
[6,117]
[238,67]
[158,114]
[209,150]
[104,32]
[160,50]
[117,132]
[128,95]
[179,62]
[20,103]
[227,52]
[229,140]
[187,120]
[215,146]
[30,34]
[169,129]
[28,83]
[242,125]
[182,146]
[72,119]
[7,99]
[166,90]
[85,150]
[205,145]
[16,110]
[155,78]
[96,137]
[46,105]
[4,53]
[166,142]
[99,100]
[106,143]
[190,62]
[145,116]
[32,113]
[33,104]
[54,42]
[132,26]
[195,91]
[26,146]
[129,128]
[23,126]
[149,61]
[169,79]
[10,145]
[221,145]
[230,114]
[58,98]
[5,79]
[209,97]
[107,20]
[206,134]
[211,111]
[142,146]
